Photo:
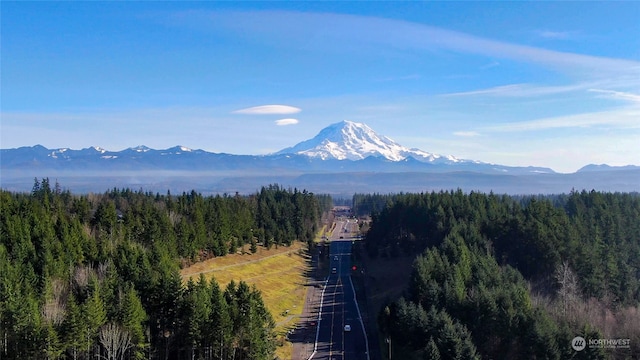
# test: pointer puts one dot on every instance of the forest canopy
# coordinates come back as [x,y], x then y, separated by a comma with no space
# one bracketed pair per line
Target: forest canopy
[509,276]
[98,274]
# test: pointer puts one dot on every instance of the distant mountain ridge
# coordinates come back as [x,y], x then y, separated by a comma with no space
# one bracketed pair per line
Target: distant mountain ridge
[339,147]
[605,167]
[340,154]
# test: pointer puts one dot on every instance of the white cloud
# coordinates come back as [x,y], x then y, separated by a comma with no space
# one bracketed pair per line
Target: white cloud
[490,65]
[496,90]
[400,78]
[348,31]
[269,110]
[625,118]
[284,122]
[524,90]
[466,133]
[556,35]
[618,95]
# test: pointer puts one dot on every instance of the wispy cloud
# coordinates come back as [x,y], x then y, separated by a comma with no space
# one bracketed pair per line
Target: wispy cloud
[284,122]
[555,35]
[626,118]
[466,133]
[269,110]
[400,78]
[154,127]
[618,95]
[296,28]
[524,90]
[490,65]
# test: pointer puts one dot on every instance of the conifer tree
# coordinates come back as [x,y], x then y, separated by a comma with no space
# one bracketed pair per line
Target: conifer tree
[132,316]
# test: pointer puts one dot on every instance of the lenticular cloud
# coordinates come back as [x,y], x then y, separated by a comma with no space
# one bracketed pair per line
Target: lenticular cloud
[283,122]
[269,110]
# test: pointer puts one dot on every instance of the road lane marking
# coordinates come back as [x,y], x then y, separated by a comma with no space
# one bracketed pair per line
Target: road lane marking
[364,332]
[315,345]
[333,319]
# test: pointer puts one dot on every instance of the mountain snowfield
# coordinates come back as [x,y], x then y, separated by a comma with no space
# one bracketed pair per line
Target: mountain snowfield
[69,154]
[335,146]
[344,158]
[348,140]
[342,141]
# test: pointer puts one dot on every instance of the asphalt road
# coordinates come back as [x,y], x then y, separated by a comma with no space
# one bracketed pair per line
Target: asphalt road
[339,306]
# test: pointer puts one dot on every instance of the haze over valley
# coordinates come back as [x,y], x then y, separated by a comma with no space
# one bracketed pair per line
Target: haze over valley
[343,158]
[314,180]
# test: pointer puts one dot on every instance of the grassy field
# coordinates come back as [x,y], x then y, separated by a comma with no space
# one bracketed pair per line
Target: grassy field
[324,231]
[280,274]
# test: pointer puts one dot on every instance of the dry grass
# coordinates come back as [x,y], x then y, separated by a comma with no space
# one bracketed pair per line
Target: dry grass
[243,256]
[280,274]
[323,232]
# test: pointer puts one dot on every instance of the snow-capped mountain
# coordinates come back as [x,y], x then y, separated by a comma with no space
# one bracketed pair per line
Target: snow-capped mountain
[345,157]
[340,147]
[348,140]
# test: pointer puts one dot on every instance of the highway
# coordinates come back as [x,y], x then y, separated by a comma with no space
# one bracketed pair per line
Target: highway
[338,304]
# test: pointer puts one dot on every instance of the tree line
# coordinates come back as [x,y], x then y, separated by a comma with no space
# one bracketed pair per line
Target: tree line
[510,277]
[97,275]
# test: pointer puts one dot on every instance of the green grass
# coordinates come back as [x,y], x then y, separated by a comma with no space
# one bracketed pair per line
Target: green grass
[279,274]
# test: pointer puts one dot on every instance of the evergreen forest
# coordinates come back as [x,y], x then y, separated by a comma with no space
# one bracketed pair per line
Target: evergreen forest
[509,277]
[96,276]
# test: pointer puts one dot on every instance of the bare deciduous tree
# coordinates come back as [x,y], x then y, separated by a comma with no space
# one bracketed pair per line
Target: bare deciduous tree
[115,340]
[54,309]
[81,276]
[103,269]
[568,293]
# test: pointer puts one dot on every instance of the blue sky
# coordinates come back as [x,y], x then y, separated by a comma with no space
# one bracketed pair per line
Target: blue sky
[553,84]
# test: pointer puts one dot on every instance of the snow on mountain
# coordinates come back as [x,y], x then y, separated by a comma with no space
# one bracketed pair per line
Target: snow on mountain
[140,149]
[329,151]
[66,153]
[58,153]
[176,150]
[348,140]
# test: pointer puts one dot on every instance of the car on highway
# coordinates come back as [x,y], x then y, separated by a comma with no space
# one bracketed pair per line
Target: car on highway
[335,258]
[347,328]
[334,270]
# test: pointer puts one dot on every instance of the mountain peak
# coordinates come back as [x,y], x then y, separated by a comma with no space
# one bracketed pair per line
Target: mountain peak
[140,148]
[180,149]
[349,140]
